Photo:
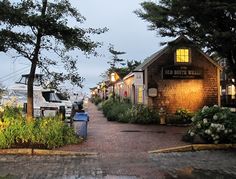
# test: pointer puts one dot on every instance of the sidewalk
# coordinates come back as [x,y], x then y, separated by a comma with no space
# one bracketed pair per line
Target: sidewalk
[123,148]
[112,137]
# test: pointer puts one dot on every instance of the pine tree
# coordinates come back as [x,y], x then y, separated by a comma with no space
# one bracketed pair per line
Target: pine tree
[209,23]
[31,28]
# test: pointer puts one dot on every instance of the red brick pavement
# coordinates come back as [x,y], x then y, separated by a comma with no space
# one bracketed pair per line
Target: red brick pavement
[123,148]
[114,137]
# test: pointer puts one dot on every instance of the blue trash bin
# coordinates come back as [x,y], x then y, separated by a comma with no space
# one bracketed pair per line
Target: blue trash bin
[80,123]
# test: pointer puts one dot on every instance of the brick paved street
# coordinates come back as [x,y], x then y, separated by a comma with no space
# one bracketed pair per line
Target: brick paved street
[122,154]
[111,137]
[200,165]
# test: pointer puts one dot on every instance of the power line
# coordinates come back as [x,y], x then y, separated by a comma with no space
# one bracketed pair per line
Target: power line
[14,72]
[13,75]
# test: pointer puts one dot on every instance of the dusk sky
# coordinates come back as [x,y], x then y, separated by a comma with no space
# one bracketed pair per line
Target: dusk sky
[127,33]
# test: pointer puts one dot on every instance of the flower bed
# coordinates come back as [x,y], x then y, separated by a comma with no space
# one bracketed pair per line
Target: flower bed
[213,125]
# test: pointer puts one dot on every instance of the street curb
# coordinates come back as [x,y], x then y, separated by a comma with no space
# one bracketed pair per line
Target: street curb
[15,151]
[44,152]
[194,147]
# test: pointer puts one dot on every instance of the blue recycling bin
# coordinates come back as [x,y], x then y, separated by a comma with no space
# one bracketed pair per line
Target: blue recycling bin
[80,123]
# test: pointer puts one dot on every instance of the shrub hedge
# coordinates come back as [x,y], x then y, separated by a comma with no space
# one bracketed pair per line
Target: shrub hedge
[128,113]
[181,116]
[41,133]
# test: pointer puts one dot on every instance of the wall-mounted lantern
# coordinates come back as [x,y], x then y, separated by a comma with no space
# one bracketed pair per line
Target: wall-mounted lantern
[114,77]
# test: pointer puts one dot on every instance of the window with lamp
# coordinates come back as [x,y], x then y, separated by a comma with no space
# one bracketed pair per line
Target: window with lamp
[182,55]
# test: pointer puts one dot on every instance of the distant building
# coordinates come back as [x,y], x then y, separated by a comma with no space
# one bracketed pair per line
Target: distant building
[228,89]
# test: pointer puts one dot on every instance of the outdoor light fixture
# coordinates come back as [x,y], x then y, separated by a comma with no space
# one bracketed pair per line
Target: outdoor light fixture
[121,85]
[113,77]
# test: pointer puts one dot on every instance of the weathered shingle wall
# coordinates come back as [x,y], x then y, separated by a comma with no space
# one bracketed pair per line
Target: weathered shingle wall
[191,94]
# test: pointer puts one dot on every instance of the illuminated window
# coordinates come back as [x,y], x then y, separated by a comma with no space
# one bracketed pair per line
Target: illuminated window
[182,55]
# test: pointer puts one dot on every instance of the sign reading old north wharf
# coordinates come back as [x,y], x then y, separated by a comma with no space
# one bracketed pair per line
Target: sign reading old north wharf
[182,72]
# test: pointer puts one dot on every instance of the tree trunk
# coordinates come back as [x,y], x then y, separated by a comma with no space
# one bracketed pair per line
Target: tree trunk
[34,61]
[30,92]
[232,64]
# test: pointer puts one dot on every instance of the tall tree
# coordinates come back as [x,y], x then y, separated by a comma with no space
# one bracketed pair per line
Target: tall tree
[36,29]
[210,23]
[121,71]
[115,57]
[1,90]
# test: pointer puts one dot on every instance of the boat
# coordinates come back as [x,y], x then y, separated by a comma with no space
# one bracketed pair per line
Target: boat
[47,102]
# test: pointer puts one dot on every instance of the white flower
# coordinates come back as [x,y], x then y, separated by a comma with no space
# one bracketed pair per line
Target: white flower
[223,127]
[204,108]
[226,131]
[191,134]
[208,131]
[193,119]
[215,117]
[215,106]
[213,125]
[198,125]
[216,142]
[230,130]
[205,120]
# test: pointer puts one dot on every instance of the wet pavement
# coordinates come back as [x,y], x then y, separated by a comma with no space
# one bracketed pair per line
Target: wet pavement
[202,164]
[123,154]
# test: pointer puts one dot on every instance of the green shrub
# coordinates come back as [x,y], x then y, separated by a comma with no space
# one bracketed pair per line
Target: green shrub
[128,113]
[12,112]
[141,114]
[181,116]
[113,110]
[118,111]
[46,132]
[99,106]
[107,106]
[96,100]
[214,125]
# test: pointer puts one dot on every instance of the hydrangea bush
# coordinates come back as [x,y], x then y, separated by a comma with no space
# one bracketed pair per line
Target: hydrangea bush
[214,125]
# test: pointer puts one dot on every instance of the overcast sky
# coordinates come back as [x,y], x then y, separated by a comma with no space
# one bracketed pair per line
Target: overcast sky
[127,33]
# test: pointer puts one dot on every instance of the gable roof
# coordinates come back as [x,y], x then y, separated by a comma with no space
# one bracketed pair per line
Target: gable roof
[128,76]
[148,61]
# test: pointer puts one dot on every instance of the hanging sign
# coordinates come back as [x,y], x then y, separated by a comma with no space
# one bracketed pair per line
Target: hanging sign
[138,78]
[152,92]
